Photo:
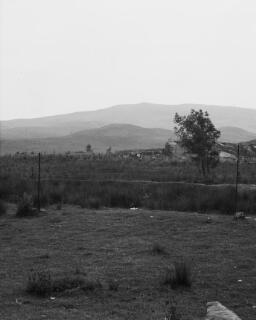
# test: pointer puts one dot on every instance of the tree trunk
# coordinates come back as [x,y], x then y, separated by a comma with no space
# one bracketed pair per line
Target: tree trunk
[203,166]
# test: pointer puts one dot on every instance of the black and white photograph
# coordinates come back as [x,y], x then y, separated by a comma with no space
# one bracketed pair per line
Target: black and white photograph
[127,159]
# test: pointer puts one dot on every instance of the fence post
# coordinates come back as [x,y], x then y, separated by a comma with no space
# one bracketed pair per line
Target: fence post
[237,176]
[39,182]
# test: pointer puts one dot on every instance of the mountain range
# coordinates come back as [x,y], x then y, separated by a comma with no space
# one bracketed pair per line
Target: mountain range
[143,125]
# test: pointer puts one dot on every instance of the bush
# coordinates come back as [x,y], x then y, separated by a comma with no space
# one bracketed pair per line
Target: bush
[67,283]
[179,275]
[41,283]
[55,197]
[93,203]
[91,285]
[158,249]
[113,285]
[171,310]
[25,208]
[3,207]
[121,199]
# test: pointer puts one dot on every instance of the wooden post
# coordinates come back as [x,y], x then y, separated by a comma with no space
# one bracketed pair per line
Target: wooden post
[237,176]
[39,182]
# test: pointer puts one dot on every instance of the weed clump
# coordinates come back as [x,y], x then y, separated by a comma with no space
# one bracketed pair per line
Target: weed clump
[179,275]
[91,203]
[25,207]
[113,285]
[42,283]
[171,310]
[3,207]
[67,283]
[39,283]
[158,249]
[91,285]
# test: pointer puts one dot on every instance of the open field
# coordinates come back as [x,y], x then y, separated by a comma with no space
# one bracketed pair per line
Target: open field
[158,184]
[116,245]
[73,167]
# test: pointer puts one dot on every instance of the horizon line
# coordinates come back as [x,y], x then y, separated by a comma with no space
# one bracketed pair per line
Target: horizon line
[126,104]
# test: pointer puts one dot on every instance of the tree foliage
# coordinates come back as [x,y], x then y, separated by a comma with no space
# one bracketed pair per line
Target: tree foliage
[198,135]
[88,148]
[167,151]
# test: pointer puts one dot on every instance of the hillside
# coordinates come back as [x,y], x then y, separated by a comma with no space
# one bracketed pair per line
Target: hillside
[235,135]
[117,136]
[147,115]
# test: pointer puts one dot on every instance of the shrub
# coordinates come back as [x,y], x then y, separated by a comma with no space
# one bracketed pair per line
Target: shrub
[3,207]
[93,203]
[158,249]
[44,199]
[25,208]
[171,310]
[91,285]
[113,285]
[39,283]
[59,206]
[179,275]
[121,199]
[67,283]
[55,197]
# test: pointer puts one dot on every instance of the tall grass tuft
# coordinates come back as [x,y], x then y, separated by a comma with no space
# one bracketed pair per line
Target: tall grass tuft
[3,207]
[42,283]
[178,275]
[25,208]
[158,249]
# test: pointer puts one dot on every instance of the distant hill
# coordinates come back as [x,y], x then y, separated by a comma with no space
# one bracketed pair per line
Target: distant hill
[235,135]
[147,115]
[118,136]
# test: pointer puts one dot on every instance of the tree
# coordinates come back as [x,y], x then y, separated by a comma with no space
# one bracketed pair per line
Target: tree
[167,151]
[198,135]
[88,148]
[109,151]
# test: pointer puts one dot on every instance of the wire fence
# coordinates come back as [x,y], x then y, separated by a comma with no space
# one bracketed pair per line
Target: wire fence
[53,174]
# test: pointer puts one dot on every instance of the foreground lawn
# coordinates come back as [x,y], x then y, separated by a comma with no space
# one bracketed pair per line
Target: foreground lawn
[116,246]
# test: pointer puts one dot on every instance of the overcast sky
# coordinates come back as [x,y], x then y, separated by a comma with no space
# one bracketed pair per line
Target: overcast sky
[60,56]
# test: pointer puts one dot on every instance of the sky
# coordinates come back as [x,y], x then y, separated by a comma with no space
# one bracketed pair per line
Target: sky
[61,56]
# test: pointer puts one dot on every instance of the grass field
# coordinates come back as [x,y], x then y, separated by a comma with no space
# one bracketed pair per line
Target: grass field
[158,184]
[117,245]
[65,167]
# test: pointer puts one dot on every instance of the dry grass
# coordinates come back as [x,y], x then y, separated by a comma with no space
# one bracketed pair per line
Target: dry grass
[178,275]
[107,244]
[3,207]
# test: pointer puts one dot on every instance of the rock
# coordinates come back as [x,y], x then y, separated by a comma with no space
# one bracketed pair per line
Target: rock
[216,311]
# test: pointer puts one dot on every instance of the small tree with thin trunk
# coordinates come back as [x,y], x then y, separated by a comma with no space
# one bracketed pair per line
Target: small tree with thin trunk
[198,135]
[167,151]
[88,148]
